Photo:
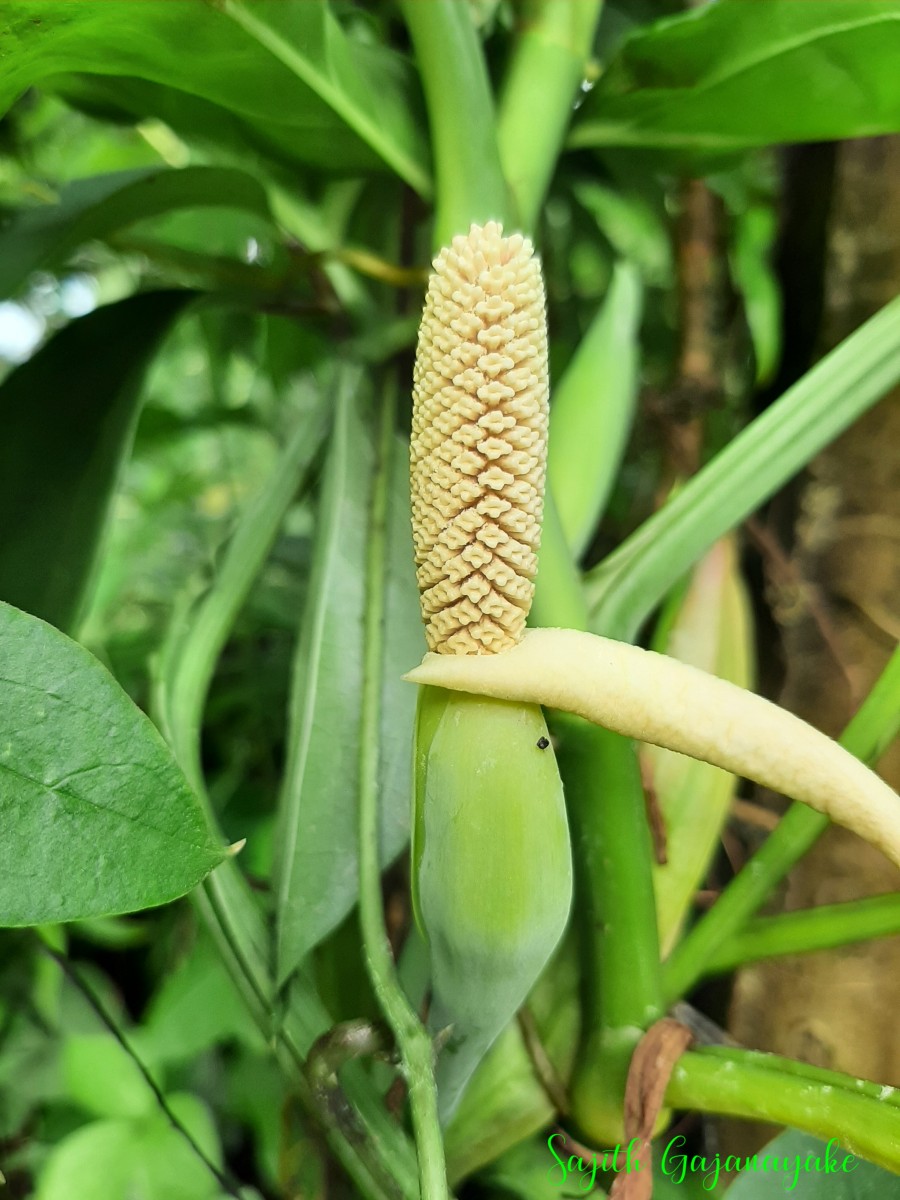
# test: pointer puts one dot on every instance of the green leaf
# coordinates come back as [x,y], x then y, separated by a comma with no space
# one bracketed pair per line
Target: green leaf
[285,67]
[96,816]
[68,417]
[196,1007]
[711,629]
[102,1078]
[799,1164]
[43,236]
[626,587]
[317,864]
[124,1160]
[728,76]
[592,410]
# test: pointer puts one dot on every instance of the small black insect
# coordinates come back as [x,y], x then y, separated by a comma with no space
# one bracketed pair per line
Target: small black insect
[543,743]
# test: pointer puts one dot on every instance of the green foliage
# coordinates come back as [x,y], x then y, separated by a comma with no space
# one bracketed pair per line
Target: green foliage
[72,408]
[43,236]
[304,92]
[110,1159]
[101,817]
[849,1178]
[733,76]
[317,861]
[215,504]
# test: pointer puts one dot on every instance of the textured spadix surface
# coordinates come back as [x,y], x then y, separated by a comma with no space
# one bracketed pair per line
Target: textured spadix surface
[479,441]
[657,699]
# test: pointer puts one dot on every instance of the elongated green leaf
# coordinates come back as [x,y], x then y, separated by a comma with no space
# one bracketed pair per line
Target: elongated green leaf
[42,236]
[626,587]
[733,75]
[712,631]
[285,66]
[592,410]
[317,867]
[96,816]
[68,416]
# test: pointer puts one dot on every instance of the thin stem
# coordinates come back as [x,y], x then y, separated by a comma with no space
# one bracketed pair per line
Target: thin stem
[470,184]
[538,95]
[871,730]
[764,1087]
[803,932]
[228,1185]
[412,1039]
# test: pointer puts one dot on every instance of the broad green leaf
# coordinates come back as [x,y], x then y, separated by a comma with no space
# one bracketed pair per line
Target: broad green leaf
[68,416]
[317,849]
[803,1166]
[96,816]
[728,76]
[42,236]
[126,1160]
[285,67]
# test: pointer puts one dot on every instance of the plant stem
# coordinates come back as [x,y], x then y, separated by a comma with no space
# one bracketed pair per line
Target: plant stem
[871,730]
[822,928]
[628,585]
[614,896]
[412,1039]
[470,185]
[547,66]
[764,1087]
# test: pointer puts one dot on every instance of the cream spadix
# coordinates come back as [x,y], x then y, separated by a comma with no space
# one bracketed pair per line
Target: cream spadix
[478,446]
[657,699]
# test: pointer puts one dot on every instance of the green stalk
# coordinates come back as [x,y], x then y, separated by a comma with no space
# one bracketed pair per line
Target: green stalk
[871,730]
[412,1039]
[822,928]
[628,585]
[470,184]
[547,66]
[763,1087]
[614,897]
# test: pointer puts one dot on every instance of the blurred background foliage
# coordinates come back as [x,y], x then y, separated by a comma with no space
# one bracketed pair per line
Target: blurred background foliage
[162,146]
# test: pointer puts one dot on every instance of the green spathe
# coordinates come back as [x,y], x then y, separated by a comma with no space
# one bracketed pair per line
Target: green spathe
[97,818]
[492,867]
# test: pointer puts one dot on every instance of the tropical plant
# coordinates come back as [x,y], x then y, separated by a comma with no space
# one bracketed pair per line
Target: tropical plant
[218,217]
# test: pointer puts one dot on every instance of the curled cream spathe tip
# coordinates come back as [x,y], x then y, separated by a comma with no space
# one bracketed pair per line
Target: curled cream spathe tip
[657,699]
